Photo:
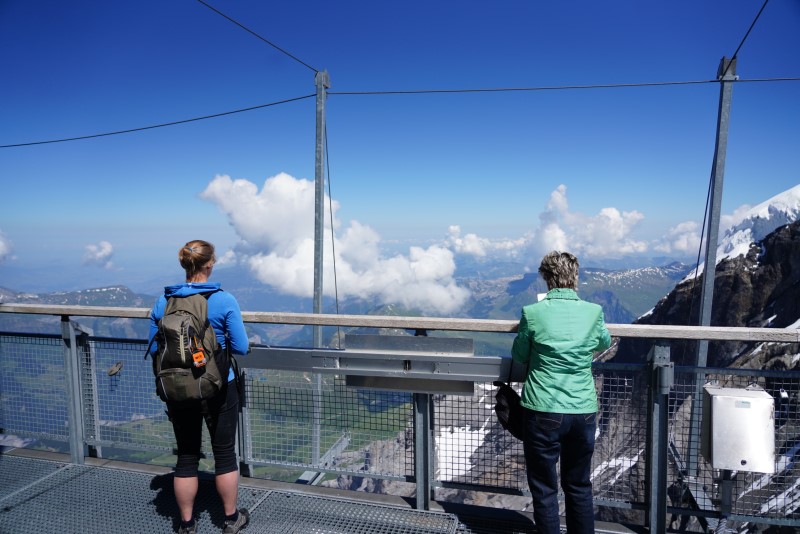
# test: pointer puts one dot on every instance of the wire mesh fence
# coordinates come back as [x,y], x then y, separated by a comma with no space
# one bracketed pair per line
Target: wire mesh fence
[765,495]
[121,408]
[309,421]
[33,395]
[295,422]
[618,464]
[471,448]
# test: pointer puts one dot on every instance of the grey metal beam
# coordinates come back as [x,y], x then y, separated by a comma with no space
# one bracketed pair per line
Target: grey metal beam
[390,357]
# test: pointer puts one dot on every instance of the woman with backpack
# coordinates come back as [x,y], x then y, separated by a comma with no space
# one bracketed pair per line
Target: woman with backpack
[221,411]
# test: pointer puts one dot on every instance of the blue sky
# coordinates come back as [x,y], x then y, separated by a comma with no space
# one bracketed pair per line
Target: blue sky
[604,172]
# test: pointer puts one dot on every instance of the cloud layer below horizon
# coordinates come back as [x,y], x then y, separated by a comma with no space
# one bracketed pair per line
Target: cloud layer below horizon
[276,228]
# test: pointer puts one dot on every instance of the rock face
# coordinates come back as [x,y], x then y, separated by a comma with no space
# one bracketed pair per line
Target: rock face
[758,289]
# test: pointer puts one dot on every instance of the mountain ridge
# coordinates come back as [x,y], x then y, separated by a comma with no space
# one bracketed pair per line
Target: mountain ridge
[758,289]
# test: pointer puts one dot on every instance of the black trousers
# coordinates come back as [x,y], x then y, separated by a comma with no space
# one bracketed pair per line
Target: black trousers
[221,415]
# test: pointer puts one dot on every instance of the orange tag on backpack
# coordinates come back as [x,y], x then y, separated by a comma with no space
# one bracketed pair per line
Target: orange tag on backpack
[198,356]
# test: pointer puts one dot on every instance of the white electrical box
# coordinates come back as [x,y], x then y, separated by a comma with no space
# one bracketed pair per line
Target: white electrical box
[738,429]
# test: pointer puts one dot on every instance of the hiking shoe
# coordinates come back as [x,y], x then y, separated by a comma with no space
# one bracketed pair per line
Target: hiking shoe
[188,530]
[232,527]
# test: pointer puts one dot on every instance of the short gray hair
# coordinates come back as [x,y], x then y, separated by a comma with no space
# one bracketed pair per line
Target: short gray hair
[559,270]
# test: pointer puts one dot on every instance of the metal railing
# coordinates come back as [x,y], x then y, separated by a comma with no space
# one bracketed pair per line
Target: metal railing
[398,419]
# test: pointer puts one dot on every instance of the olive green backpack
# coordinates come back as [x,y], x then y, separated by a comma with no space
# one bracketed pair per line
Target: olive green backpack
[189,364]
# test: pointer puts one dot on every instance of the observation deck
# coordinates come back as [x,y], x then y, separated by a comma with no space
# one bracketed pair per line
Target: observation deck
[389,433]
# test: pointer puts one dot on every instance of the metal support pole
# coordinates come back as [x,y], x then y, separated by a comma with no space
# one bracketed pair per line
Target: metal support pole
[422,449]
[726,75]
[322,81]
[726,494]
[69,334]
[662,379]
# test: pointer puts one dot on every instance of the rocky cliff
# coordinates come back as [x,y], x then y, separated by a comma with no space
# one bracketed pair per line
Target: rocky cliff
[760,288]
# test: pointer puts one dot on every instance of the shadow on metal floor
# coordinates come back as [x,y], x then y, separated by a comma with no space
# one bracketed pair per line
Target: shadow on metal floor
[43,493]
[42,496]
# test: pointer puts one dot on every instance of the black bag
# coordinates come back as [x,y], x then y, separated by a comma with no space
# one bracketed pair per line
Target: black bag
[509,410]
[189,364]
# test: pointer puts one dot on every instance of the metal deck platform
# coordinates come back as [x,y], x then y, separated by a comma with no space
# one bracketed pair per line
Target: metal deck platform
[42,496]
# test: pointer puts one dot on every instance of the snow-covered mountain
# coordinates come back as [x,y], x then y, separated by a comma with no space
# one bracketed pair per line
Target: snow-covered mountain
[756,284]
[754,224]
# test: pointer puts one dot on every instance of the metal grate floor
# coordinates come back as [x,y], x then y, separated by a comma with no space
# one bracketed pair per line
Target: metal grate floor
[42,496]
[290,513]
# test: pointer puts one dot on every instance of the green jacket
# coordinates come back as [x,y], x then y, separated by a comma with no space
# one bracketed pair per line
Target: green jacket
[558,337]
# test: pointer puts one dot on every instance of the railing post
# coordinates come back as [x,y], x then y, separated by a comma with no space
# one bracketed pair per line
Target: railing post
[662,377]
[87,369]
[69,334]
[243,436]
[422,449]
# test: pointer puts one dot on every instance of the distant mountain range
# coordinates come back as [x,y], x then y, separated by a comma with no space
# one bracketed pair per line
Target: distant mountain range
[625,294]
[114,296]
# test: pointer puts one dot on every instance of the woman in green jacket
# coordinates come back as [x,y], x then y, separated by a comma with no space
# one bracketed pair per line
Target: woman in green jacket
[556,339]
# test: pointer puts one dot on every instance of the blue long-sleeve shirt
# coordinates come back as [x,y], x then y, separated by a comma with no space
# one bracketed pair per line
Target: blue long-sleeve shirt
[224,315]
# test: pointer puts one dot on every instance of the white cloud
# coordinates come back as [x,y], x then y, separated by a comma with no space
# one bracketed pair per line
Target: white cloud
[226,259]
[607,234]
[5,247]
[474,245]
[683,238]
[276,225]
[99,255]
